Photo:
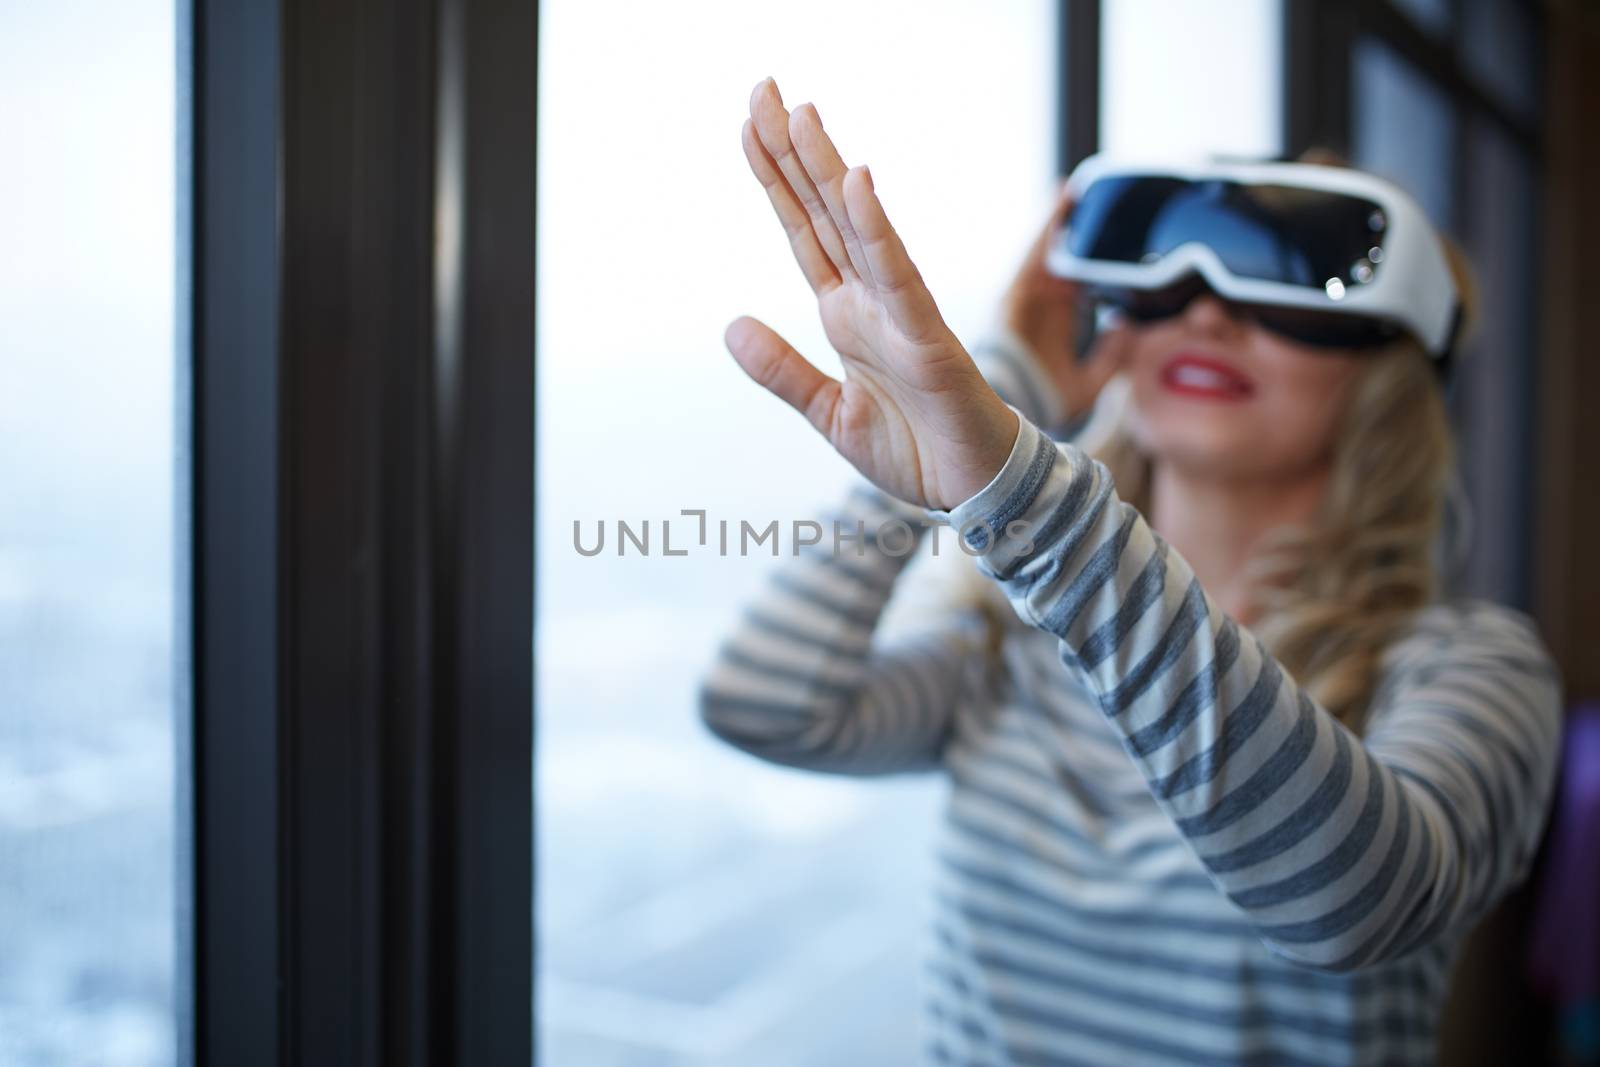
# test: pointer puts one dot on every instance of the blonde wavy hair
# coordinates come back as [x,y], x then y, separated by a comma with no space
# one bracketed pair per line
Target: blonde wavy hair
[1336,593]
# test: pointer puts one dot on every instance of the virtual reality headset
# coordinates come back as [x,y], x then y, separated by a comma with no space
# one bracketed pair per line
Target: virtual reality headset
[1327,256]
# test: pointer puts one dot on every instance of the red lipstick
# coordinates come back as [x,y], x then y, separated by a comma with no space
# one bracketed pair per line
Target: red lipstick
[1206,378]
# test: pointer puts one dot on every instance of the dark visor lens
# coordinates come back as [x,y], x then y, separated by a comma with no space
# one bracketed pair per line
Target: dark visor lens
[1276,233]
[1320,329]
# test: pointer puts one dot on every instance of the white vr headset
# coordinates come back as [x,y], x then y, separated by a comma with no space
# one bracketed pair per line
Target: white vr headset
[1328,256]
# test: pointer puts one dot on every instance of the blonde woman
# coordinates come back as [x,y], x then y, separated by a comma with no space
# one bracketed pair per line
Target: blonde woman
[1229,781]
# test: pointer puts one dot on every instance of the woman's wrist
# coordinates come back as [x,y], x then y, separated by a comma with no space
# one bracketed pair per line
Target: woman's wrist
[990,456]
[997,464]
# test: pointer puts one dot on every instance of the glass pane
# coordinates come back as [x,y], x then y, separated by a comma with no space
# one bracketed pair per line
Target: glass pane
[1498,47]
[1182,79]
[1434,16]
[696,906]
[1403,127]
[88,426]
[1491,398]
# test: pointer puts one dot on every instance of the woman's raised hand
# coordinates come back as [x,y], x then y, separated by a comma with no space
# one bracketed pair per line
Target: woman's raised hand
[913,413]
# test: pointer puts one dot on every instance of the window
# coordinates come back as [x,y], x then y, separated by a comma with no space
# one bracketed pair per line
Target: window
[1494,402]
[1444,122]
[693,902]
[1499,48]
[1404,127]
[91,649]
[1181,79]
[1433,16]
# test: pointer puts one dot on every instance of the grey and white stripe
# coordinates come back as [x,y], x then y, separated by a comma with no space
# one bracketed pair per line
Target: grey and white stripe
[1157,848]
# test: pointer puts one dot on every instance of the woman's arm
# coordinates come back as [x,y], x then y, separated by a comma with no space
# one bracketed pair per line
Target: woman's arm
[1344,852]
[800,682]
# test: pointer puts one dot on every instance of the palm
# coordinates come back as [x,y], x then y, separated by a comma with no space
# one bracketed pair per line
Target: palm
[912,414]
[885,374]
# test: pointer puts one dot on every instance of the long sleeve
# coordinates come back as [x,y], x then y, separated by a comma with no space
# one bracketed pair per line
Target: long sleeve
[800,681]
[1343,852]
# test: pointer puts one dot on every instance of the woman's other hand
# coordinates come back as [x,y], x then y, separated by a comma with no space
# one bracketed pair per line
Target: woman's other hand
[1041,311]
[913,413]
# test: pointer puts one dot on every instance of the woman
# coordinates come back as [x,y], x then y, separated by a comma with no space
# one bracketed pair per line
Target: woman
[1169,838]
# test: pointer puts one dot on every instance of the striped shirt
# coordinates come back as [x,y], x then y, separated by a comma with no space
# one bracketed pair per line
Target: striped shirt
[1156,848]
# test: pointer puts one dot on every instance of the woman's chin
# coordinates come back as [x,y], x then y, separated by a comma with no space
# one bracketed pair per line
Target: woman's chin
[1213,445]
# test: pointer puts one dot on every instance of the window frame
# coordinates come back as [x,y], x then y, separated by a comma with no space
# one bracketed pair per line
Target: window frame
[362,275]
[1078,45]
[362,571]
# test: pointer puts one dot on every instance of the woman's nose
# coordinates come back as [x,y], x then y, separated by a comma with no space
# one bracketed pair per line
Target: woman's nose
[1212,314]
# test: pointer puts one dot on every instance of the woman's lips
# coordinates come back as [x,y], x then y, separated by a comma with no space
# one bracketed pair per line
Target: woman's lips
[1201,376]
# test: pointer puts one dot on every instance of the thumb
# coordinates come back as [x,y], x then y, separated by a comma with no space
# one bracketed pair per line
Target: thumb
[775,365]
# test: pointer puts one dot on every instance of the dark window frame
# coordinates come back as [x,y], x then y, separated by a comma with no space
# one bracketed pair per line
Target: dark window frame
[362,474]
[363,480]
[1320,37]
[1078,40]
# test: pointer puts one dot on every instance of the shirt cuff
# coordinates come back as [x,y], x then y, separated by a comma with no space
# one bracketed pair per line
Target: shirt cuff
[983,503]
[1025,510]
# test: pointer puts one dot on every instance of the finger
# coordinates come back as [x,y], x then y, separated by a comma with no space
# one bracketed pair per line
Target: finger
[783,372]
[826,169]
[772,125]
[814,263]
[898,282]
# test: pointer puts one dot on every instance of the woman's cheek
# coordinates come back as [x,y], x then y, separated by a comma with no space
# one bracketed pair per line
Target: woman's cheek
[1307,411]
